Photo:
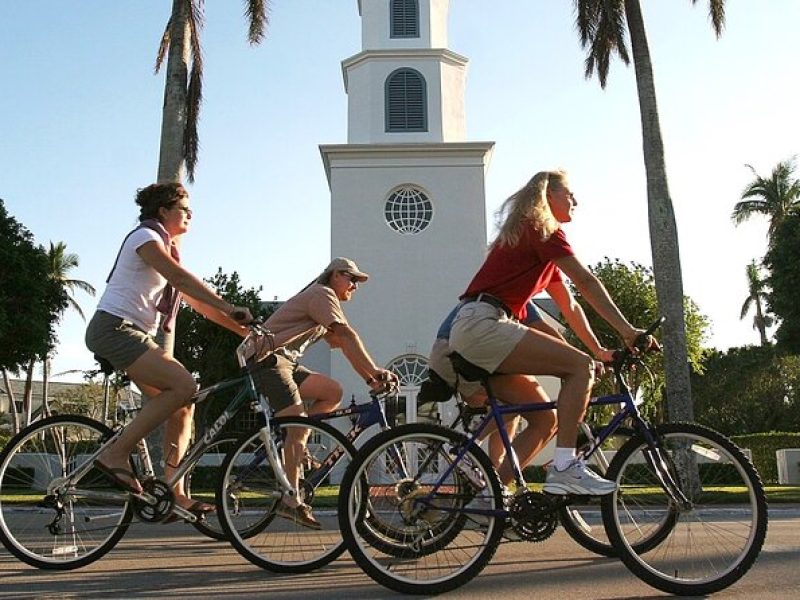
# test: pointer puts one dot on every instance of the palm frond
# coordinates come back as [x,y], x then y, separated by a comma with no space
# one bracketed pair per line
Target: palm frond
[746,209]
[716,14]
[73,304]
[83,286]
[194,92]
[257,14]
[163,46]
[746,307]
[602,27]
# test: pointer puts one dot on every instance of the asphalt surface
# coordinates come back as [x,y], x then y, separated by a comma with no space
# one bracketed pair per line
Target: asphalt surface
[175,561]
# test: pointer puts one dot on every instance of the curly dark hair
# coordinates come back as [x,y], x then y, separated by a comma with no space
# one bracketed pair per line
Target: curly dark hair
[158,195]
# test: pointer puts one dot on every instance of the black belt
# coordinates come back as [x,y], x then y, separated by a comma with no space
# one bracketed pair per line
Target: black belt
[489,299]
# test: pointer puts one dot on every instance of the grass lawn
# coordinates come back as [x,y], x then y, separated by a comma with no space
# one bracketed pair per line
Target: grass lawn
[327,496]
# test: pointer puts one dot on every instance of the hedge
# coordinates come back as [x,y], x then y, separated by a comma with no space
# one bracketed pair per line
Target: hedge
[764,446]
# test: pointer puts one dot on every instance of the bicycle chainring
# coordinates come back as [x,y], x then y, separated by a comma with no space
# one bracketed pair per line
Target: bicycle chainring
[533,516]
[165,501]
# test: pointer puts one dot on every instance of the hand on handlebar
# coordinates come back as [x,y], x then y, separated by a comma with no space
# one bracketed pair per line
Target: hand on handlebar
[383,381]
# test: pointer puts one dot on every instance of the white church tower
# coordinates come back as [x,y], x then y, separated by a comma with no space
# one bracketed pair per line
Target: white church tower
[407,190]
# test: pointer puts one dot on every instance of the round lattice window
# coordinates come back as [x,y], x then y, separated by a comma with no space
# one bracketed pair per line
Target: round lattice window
[411,369]
[408,210]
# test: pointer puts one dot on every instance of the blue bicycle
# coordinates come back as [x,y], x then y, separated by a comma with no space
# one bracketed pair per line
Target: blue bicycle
[689,516]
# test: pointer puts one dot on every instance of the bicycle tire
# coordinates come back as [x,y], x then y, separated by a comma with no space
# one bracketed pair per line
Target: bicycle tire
[583,520]
[393,490]
[52,524]
[715,539]
[281,545]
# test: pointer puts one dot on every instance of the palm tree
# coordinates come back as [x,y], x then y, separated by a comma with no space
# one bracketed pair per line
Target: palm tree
[775,197]
[757,295]
[60,264]
[602,25]
[180,44]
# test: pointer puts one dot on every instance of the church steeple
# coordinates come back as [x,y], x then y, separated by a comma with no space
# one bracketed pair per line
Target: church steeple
[404,86]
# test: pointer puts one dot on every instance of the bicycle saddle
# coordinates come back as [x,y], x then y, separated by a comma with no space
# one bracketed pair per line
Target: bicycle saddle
[106,367]
[466,369]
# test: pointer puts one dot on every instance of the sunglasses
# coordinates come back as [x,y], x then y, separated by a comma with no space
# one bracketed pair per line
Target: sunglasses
[353,278]
[184,209]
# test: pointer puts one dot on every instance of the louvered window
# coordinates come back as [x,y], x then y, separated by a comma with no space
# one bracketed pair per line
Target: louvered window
[406,101]
[404,16]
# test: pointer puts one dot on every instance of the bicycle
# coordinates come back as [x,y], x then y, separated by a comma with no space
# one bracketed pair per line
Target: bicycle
[57,511]
[689,516]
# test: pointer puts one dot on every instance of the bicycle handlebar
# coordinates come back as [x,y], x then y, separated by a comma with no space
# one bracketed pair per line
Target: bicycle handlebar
[640,343]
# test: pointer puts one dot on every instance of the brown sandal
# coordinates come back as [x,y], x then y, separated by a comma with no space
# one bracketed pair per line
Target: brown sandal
[300,514]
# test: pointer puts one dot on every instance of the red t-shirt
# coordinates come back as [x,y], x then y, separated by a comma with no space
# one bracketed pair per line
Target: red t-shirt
[514,274]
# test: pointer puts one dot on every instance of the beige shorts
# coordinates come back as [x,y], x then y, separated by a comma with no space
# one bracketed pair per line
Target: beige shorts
[438,361]
[484,335]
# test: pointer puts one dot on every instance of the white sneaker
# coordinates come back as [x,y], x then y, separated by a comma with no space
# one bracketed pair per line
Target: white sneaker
[577,479]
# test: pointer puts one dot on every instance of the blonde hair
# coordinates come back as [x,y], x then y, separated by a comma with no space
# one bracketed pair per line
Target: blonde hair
[529,206]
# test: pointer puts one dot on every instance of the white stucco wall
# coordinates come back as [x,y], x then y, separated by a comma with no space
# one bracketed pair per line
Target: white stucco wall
[415,279]
[375,25]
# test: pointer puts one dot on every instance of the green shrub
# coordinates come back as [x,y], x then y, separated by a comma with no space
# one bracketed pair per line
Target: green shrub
[763,447]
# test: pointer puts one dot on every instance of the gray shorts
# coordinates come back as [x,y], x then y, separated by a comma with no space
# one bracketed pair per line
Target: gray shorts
[119,341]
[279,379]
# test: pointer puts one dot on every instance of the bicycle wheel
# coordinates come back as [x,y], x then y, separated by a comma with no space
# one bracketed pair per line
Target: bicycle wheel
[249,493]
[399,478]
[582,519]
[56,511]
[717,534]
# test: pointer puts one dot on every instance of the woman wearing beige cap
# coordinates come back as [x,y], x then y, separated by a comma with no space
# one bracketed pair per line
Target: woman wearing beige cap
[314,313]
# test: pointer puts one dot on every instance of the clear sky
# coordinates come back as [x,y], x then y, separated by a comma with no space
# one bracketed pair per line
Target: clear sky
[80,115]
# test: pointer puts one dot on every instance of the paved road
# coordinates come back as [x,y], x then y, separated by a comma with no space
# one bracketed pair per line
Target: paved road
[176,562]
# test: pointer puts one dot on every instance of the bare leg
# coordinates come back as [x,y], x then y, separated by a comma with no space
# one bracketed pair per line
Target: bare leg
[293,449]
[157,372]
[538,353]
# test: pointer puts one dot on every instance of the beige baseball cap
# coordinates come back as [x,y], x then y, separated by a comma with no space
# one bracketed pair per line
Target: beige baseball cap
[343,264]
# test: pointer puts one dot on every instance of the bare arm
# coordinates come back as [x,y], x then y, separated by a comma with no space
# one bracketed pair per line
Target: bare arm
[217,316]
[576,319]
[598,298]
[344,337]
[154,254]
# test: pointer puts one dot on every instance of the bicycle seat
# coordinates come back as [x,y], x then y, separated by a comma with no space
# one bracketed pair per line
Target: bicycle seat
[466,369]
[106,367]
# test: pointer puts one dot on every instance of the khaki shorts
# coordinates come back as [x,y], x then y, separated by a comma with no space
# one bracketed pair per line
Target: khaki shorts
[484,335]
[119,341]
[438,361]
[279,379]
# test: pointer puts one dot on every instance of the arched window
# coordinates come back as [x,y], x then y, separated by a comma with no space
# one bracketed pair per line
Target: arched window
[411,369]
[404,18]
[406,101]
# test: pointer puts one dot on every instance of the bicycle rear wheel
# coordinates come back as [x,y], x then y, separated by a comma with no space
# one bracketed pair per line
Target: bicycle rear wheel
[249,493]
[398,480]
[56,511]
[716,536]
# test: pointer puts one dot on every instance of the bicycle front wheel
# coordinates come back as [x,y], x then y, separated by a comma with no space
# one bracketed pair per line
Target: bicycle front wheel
[716,535]
[249,495]
[56,510]
[445,520]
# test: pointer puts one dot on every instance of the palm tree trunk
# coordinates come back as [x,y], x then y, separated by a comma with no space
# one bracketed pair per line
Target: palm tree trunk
[171,154]
[663,230]
[46,387]
[173,118]
[12,404]
[27,397]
